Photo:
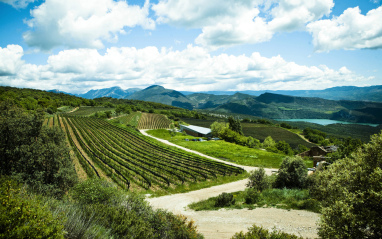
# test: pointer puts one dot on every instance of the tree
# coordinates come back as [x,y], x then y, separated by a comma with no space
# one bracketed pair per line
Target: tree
[292,173]
[351,194]
[235,125]
[34,154]
[269,142]
[217,128]
[258,180]
[284,147]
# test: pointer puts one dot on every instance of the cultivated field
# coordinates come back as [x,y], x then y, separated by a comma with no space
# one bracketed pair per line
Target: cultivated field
[134,162]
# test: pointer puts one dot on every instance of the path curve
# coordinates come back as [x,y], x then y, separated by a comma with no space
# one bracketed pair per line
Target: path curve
[225,223]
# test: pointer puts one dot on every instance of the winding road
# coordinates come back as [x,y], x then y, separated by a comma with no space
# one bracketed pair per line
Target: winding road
[225,223]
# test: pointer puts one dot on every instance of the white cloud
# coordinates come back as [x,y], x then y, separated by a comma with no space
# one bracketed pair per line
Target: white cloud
[10,59]
[233,22]
[74,23]
[17,3]
[293,15]
[193,69]
[351,30]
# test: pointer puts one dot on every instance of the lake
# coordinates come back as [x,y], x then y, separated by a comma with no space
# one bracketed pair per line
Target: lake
[324,121]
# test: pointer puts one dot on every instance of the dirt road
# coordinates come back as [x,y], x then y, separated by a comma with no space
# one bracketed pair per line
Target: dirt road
[225,223]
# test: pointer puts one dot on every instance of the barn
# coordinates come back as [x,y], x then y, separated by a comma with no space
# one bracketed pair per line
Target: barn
[196,131]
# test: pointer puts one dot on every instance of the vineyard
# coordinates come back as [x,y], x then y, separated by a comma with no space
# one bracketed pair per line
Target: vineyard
[88,110]
[131,119]
[145,120]
[153,121]
[133,161]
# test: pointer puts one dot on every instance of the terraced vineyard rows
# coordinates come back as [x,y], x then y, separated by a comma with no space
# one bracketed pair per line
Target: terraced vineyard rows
[131,119]
[133,161]
[153,121]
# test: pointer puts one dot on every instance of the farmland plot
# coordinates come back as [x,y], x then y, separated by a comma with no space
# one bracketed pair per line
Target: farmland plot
[133,161]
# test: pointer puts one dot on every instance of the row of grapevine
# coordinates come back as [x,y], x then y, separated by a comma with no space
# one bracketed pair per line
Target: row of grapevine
[131,119]
[137,161]
[88,110]
[153,121]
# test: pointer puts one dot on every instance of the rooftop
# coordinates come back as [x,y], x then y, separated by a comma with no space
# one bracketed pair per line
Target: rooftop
[198,129]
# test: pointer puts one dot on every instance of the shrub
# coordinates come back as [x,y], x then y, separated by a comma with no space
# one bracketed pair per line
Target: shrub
[224,200]
[252,196]
[94,191]
[258,180]
[23,216]
[256,232]
[292,173]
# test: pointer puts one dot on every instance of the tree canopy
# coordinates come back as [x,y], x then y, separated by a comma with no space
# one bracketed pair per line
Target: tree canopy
[351,193]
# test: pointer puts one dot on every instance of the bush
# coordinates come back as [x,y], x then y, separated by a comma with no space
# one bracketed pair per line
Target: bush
[224,200]
[23,216]
[94,191]
[258,180]
[292,173]
[252,196]
[256,232]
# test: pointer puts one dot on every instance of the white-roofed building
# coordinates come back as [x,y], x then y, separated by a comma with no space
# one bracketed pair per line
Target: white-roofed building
[196,131]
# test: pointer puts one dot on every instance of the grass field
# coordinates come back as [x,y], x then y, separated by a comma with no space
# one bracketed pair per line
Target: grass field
[227,151]
[260,132]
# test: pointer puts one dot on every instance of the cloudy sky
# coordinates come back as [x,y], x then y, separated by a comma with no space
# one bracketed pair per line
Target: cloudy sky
[193,45]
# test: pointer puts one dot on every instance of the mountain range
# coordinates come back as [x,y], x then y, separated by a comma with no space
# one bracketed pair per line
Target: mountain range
[370,93]
[267,104]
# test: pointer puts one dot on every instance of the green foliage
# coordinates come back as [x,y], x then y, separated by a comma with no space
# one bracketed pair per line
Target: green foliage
[314,135]
[252,196]
[351,193]
[269,142]
[280,198]
[128,216]
[224,200]
[345,148]
[258,180]
[233,137]
[94,191]
[284,147]
[292,173]
[34,154]
[23,216]
[235,125]
[256,232]
[217,128]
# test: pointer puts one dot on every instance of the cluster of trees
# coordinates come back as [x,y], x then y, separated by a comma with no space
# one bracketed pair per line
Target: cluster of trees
[232,132]
[34,153]
[349,191]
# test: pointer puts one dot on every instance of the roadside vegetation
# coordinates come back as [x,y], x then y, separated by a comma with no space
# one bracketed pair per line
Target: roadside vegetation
[347,193]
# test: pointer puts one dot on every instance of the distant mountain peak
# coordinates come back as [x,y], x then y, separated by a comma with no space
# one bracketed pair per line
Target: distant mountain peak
[155,86]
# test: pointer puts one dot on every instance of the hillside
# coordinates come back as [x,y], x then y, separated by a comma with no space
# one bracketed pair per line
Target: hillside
[114,92]
[159,94]
[276,106]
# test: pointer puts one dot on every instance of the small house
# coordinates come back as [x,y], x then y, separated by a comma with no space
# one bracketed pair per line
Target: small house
[196,131]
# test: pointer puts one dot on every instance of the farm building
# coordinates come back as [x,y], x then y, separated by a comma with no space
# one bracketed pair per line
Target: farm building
[195,130]
[318,153]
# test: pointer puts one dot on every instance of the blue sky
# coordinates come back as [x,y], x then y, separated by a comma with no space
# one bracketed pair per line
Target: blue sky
[193,45]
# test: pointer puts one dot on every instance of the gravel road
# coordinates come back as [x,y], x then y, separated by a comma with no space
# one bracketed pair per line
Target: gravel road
[225,223]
